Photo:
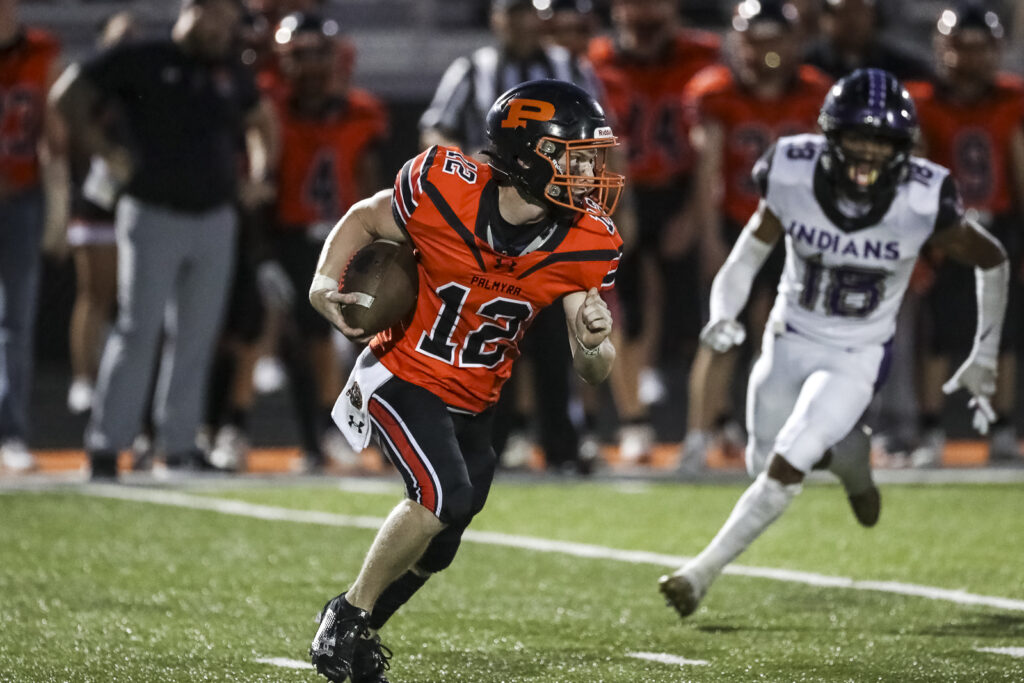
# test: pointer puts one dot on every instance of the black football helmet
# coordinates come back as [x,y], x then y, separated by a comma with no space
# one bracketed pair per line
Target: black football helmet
[969,15]
[544,137]
[302,29]
[869,103]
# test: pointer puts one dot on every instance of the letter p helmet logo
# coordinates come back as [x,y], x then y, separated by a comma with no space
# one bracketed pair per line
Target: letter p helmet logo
[522,110]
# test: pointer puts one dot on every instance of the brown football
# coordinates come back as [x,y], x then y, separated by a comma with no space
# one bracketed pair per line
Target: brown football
[384,274]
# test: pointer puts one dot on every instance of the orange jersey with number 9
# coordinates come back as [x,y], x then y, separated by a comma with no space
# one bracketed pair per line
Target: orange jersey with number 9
[475,302]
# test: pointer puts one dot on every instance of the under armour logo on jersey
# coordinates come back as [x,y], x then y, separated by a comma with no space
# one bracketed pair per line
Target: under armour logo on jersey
[522,110]
[501,262]
[358,426]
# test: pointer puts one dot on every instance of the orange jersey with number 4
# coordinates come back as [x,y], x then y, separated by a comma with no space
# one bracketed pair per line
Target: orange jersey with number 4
[320,157]
[25,69]
[476,302]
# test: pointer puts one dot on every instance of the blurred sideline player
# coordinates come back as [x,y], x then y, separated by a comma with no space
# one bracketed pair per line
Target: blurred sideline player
[741,108]
[33,179]
[572,24]
[972,122]
[644,68]
[851,38]
[90,235]
[496,243]
[328,162]
[855,209]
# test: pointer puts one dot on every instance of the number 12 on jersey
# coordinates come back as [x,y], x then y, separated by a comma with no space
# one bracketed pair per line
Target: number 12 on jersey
[482,347]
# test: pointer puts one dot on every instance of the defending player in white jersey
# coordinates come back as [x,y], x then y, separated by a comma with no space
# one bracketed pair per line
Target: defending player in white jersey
[854,208]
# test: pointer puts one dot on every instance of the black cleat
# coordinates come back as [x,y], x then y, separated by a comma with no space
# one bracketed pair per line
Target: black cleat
[371,661]
[103,466]
[867,506]
[334,648]
[680,593]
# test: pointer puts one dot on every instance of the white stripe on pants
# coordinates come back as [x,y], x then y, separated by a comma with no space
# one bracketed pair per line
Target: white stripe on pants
[176,268]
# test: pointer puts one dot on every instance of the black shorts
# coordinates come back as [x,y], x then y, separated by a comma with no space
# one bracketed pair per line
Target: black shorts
[680,276]
[298,255]
[445,457]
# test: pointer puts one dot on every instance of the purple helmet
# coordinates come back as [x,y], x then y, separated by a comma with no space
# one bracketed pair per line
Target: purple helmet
[870,102]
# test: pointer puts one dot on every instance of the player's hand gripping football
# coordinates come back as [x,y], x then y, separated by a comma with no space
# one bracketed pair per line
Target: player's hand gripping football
[979,379]
[593,320]
[722,335]
[328,303]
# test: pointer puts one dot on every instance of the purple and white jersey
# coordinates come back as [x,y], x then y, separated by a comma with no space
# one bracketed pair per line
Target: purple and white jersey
[842,286]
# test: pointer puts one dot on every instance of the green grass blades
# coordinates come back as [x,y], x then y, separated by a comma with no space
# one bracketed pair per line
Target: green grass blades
[93,589]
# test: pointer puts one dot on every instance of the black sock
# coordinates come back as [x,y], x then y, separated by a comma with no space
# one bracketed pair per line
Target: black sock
[394,596]
[929,421]
[238,417]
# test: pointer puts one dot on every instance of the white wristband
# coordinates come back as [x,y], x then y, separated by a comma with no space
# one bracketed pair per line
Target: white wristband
[321,282]
[587,351]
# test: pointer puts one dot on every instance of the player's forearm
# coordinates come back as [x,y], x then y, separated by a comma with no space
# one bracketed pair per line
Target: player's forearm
[732,284]
[593,365]
[992,287]
[348,236]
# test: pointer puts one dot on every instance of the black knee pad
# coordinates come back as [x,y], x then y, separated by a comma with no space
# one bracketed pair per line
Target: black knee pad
[457,508]
[441,551]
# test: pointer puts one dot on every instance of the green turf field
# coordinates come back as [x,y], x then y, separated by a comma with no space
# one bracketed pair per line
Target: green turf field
[98,589]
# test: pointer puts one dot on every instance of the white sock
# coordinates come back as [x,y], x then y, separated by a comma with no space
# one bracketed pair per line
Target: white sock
[759,506]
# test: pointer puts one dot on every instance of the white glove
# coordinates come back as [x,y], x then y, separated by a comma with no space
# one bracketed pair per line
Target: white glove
[979,379]
[722,335]
[275,285]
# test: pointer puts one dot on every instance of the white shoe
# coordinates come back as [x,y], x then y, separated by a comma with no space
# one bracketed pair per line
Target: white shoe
[335,446]
[1003,446]
[268,375]
[695,451]
[229,449]
[650,387]
[929,452]
[80,395]
[518,451]
[636,441]
[16,456]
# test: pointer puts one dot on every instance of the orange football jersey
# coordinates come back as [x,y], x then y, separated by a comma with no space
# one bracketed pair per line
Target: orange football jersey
[24,73]
[475,302]
[320,159]
[750,125]
[646,101]
[973,141]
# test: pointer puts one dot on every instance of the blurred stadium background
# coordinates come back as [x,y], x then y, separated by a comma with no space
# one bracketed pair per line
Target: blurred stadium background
[403,47]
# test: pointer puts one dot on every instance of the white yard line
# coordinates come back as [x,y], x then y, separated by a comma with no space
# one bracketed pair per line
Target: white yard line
[665,658]
[598,552]
[1012,651]
[284,662]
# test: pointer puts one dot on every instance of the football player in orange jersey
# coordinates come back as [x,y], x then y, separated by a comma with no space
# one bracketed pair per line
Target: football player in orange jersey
[644,69]
[329,131]
[32,146]
[741,108]
[496,243]
[972,121]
